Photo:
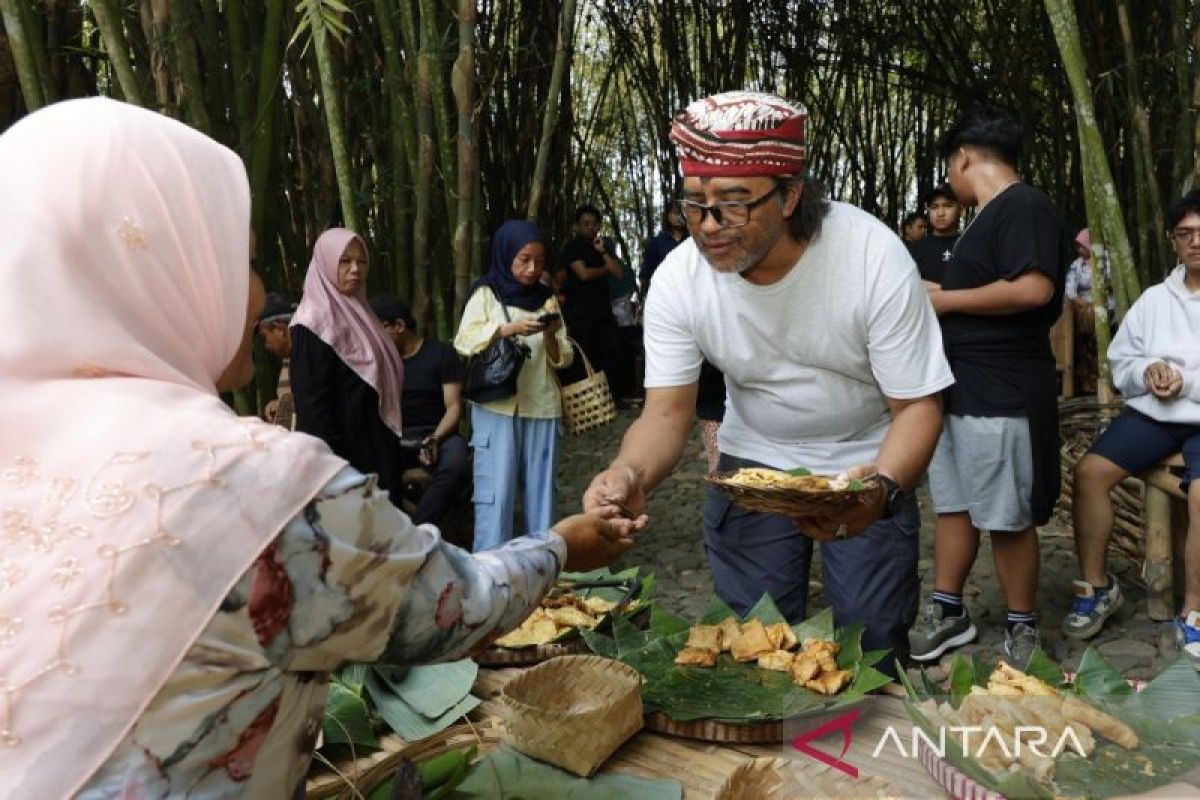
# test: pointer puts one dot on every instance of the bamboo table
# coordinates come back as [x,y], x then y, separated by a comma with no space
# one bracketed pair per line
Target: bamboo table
[703,767]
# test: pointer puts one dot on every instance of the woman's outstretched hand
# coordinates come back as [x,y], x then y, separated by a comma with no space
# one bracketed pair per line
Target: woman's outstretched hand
[592,542]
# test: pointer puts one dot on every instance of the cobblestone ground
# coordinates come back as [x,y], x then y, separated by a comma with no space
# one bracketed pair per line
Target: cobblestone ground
[673,549]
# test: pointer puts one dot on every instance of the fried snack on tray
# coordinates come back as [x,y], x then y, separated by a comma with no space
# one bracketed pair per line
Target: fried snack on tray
[696,657]
[707,637]
[781,635]
[730,631]
[554,616]
[805,668]
[763,478]
[752,643]
[778,660]
[829,683]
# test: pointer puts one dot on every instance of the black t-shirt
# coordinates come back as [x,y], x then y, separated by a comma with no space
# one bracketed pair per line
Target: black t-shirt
[584,298]
[932,253]
[1002,363]
[422,403]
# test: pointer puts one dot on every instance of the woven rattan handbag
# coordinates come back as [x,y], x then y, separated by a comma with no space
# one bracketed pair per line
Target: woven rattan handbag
[587,403]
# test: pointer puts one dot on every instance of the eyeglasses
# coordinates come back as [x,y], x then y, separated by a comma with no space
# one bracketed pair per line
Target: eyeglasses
[727,213]
[1185,235]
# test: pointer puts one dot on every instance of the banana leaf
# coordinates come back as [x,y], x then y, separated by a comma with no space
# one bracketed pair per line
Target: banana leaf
[507,773]
[421,701]
[1165,715]
[346,719]
[732,691]
[642,594]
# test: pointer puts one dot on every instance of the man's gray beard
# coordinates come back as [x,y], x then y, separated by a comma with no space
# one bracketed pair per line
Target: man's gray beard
[752,259]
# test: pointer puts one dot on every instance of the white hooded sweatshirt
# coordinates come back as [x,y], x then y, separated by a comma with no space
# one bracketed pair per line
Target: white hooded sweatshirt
[1163,325]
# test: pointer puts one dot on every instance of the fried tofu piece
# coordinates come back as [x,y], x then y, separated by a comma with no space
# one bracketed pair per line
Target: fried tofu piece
[696,657]
[730,631]
[829,683]
[752,643]
[814,645]
[572,617]
[778,660]
[1006,675]
[707,637]
[826,661]
[781,635]
[804,668]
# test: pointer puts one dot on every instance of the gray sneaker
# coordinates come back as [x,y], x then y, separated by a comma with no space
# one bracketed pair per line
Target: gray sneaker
[932,634]
[1090,609]
[1019,644]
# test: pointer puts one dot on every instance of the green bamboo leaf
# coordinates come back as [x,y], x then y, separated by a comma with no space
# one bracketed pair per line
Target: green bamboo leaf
[765,611]
[962,676]
[599,643]
[907,683]
[1174,693]
[818,626]
[434,689]
[405,720]
[506,773]
[664,623]
[352,677]
[1044,668]
[849,641]
[346,720]
[1097,680]
[717,611]
[873,657]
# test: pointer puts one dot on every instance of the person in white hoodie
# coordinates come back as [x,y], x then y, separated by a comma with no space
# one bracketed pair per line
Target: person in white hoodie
[1155,360]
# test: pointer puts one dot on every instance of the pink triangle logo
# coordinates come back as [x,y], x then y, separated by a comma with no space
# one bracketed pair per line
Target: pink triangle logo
[843,723]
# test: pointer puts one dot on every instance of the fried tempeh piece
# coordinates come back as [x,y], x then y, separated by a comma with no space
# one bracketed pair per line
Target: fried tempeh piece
[804,668]
[730,631]
[707,637]
[752,643]
[781,635]
[778,660]
[830,683]
[696,657]
[1106,725]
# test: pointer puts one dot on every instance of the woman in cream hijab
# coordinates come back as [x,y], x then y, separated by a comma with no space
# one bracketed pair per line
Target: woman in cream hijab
[168,606]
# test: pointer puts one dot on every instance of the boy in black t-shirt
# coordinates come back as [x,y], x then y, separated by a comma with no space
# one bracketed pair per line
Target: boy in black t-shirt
[933,252]
[431,408]
[1002,291]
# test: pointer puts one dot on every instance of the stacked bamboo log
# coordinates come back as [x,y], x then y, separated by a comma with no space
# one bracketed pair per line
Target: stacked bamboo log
[1080,422]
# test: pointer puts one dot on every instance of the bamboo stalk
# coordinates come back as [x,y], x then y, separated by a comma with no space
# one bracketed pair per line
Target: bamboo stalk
[112,33]
[566,32]
[19,42]
[331,105]
[463,83]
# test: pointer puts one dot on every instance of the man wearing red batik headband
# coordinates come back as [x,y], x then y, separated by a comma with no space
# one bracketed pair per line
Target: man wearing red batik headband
[832,359]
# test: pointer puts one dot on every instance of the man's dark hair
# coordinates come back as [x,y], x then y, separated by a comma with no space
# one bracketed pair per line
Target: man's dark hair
[910,218]
[587,208]
[1188,204]
[390,308]
[989,128]
[942,190]
[804,224]
[276,308]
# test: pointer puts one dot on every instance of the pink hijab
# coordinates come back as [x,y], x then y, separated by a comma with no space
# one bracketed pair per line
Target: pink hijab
[131,497]
[349,326]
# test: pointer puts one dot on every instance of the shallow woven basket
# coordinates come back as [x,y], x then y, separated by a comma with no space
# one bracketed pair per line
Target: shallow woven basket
[587,403]
[573,711]
[794,502]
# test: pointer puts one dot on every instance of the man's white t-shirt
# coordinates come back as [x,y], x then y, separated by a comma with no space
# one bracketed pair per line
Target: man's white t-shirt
[809,360]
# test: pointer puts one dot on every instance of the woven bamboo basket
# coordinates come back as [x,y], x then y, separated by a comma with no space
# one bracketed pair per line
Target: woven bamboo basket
[587,403]
[573,711]
[793,502]
[355,777]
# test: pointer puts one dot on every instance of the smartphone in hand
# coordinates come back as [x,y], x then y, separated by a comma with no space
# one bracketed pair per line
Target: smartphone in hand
[546,319]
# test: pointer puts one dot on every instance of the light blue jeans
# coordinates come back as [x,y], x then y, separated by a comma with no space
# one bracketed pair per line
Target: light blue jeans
[511,451]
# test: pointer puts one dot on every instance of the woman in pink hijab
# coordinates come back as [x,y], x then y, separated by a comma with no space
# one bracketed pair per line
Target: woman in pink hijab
[345,371]
[176,583]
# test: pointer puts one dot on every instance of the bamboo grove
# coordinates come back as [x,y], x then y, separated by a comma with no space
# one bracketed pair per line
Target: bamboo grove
[425,123]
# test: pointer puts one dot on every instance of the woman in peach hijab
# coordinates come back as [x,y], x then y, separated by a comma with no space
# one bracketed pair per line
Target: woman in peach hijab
[169,606]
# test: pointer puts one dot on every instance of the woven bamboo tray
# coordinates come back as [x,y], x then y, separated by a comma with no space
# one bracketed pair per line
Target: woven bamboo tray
[769,731]
[352,778]
[793,502]
[573,711]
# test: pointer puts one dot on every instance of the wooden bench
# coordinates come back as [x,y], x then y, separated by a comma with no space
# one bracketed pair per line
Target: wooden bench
[1166,518]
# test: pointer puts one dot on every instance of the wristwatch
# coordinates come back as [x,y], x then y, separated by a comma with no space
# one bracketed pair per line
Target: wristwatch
[894,497]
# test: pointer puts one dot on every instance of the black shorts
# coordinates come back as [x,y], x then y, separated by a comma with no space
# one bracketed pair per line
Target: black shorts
[1135,442]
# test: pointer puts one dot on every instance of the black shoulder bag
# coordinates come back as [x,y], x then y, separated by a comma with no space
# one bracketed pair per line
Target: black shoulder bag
[492,375]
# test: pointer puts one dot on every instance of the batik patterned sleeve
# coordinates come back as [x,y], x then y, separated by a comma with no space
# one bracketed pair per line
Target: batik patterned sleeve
[353,579]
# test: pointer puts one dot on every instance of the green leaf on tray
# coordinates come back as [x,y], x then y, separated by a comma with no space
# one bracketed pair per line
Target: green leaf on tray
[961,677]
[434,689]
[346,719]
[1044,668]
[507,773]
[800,472]
[1097,680]
[855,485]
[732,691]
[407,721]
